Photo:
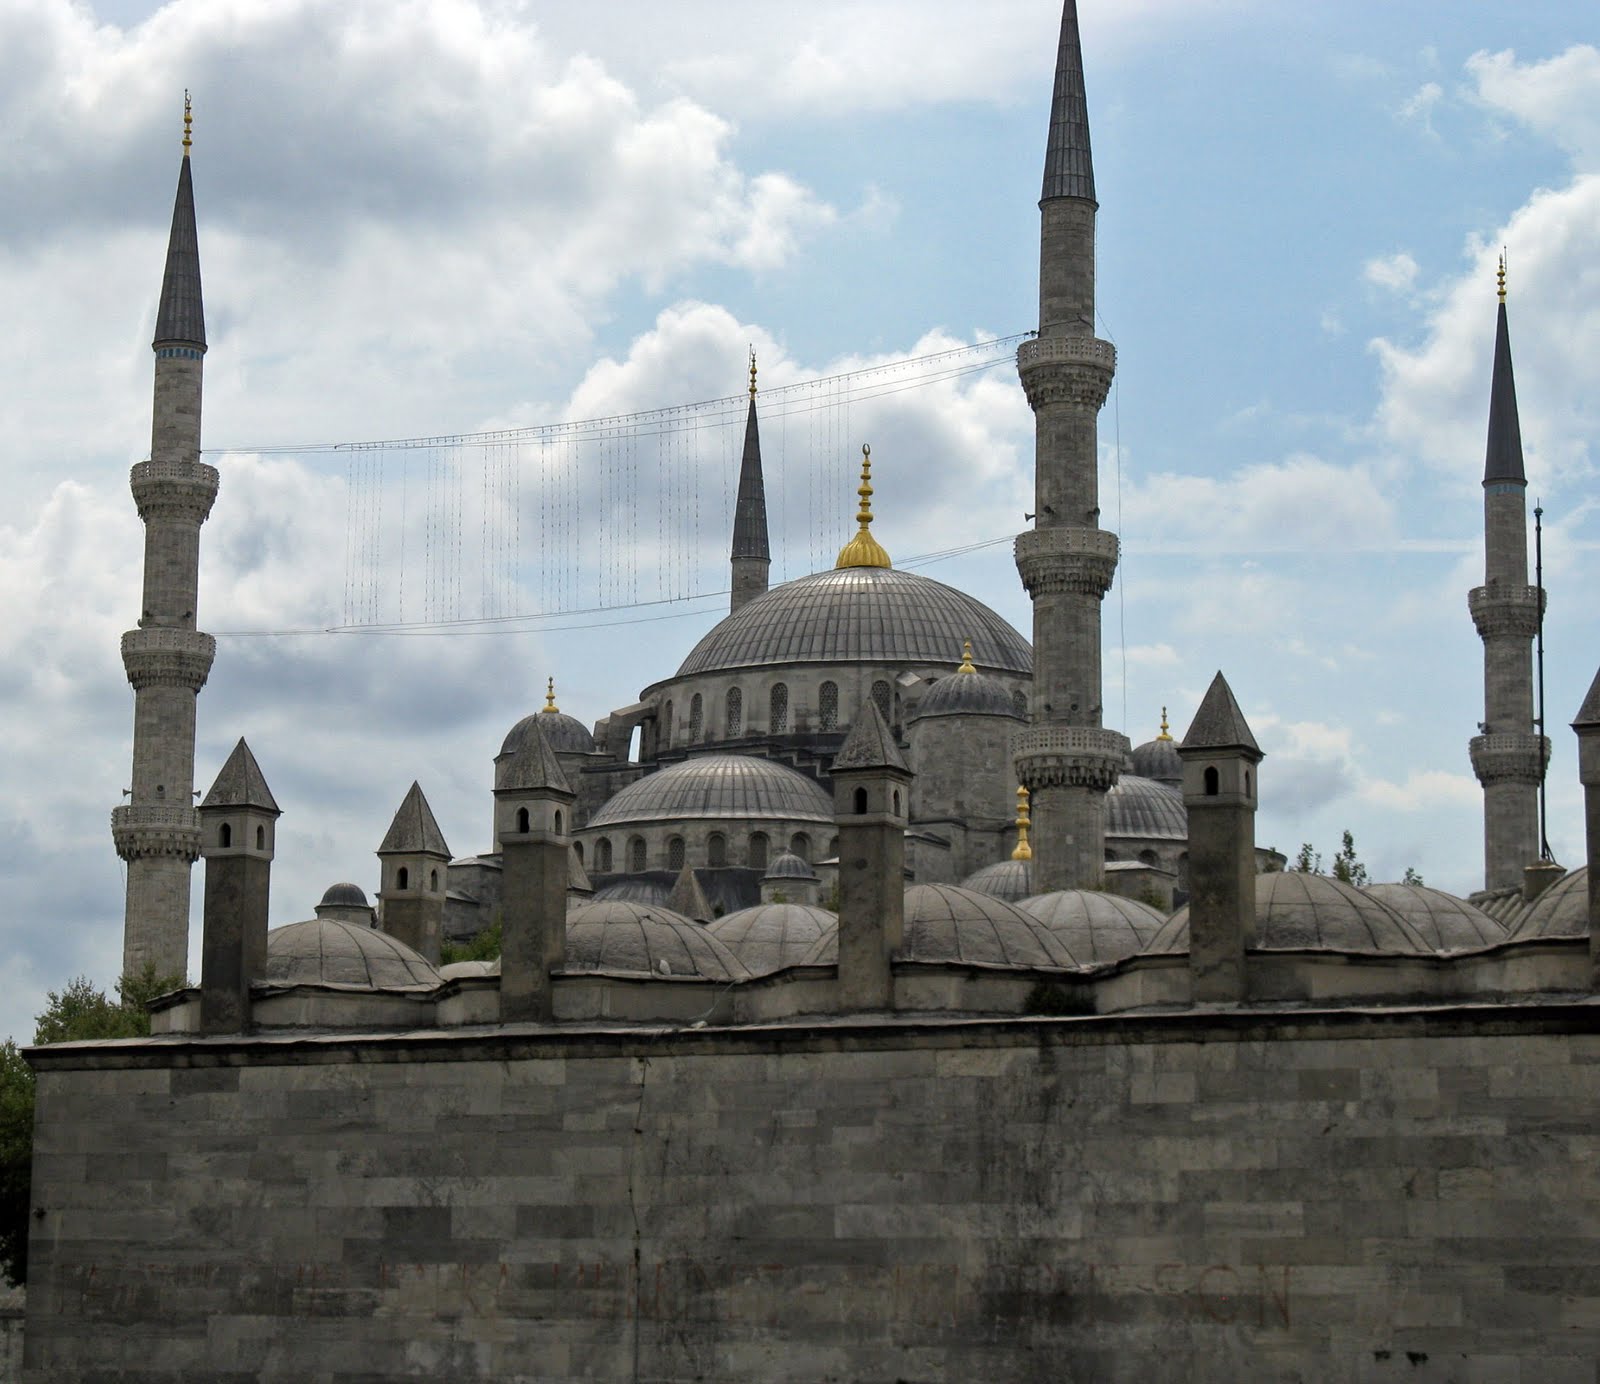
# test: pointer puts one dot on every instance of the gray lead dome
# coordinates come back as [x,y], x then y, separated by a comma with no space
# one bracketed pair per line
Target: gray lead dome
[718,786]
[860,615]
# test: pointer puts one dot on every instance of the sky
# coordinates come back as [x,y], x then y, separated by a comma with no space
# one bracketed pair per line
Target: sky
[444,216]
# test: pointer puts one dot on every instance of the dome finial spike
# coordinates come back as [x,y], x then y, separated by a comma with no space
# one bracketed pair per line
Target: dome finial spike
[1500,274]
[188,121]
[1023,850]
[864,550]
[752,373]
[1166,733]
[966,658]
[550,696]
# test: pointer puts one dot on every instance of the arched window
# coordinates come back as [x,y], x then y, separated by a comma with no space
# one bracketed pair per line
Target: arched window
[261,838]
[828,706]
[558,821]
[1247,783]
[666,726]
[675,853]
[833,848]
[636,854]
[1148,858]
[861,801]
[1019,699]
[758,850]
[577,848]
[896,802]
[717,849]
[800,845]
[734,716]
[884,698]
[1213,781]
[433,880]
[522,819]
[697,717]
[402,879]
[602,855]
[778,721]
[224,835]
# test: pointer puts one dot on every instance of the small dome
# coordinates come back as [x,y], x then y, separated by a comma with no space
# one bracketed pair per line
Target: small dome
[718,786]
[770,936]
[951,924]
[967,694]
[1096,927]
[609,935]
[1561,911]
[1296,911]
[1505,906]
[327,951]
[457,969]
[787,865]
[344,896]
[1142,807]
[1011,880]
[653,893]
[1443,921]
[566,734]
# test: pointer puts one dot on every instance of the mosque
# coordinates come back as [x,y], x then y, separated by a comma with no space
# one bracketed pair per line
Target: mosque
[887,1017]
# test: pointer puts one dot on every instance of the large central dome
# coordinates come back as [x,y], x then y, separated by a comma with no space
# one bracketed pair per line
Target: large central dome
[860,615]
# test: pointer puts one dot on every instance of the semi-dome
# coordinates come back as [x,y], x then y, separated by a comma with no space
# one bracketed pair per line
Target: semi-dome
[717,786]
[1297,911]
[860,615]
[945,923]
[1096,927]
[609,935]
[459,970]
[968,694]
[1561,911]
[787,865]
[770,936]
[1011,880]
[329,951]
[1444,922]
[1138,806]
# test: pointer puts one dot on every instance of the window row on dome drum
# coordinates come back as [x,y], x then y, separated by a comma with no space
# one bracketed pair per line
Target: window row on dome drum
[778,707]
[635,855]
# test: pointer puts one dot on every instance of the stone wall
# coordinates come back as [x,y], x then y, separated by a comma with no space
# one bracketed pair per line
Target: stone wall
[1401,1195]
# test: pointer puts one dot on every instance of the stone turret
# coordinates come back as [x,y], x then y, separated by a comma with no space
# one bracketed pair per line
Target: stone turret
[871,795]
[752,558]
[167,659]
[1507,756]
[533,810]
[1587,726]
[238,822]
[414,861]
[1067,761]
[1220,789]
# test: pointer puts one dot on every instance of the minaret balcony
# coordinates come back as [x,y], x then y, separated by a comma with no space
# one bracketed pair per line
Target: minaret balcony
[1072,370]
[168,658]
[156,829]
[1509,758]
[1505,610]
[1066,559]
[1068,757]
[1088,350]
[167,489]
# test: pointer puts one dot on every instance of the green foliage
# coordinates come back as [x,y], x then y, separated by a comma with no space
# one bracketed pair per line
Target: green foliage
[1308,862]
[1347,867]
[16,1161]
[83,1010]
[1411,876]
[484,947]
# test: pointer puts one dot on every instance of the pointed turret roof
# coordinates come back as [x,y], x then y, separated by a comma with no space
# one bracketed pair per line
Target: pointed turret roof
[1068,166]
[532,765]
[1589,712]
[750,512]
[414,830]
[181,318]
[870,744]
[1503,461]
[1219,724]
[688,898]
[577,877]
[240,783]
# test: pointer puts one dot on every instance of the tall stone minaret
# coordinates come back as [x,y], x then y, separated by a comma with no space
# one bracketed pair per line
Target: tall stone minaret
[1507,757]
[167,659]
[1067,561]
[752,559]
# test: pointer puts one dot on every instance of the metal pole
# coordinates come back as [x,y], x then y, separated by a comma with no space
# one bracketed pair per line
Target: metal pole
[1544,765]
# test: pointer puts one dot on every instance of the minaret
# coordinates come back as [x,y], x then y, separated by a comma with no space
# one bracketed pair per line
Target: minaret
[167,659]
[752,558]
[1065,759]
[1507,757]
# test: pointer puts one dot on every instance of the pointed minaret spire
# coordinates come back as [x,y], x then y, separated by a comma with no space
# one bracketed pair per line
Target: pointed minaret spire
[167,658]
[752,559]
[1507,756]
[1068,165]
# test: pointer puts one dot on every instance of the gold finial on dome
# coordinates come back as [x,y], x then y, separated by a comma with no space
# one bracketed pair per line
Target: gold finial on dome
[550,697]
[1165,733]
[752,374]
[188,121]
[864,550]
[966,658]
[1023,851]
[1500,275]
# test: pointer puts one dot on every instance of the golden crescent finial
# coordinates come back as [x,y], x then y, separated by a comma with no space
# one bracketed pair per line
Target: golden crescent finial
[1501,274]
[1023,850]
[550,696]
[188,121]
[864,550]
[966,658]
[752,374]
[1165,735]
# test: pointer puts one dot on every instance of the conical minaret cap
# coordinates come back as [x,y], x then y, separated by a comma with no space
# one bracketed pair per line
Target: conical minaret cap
[240,783]
[750,509]
[181,317]
[870,744]
[414,830]
[1503,458]
[532,766]
[1068,165]
[1219,724]
[1589,712]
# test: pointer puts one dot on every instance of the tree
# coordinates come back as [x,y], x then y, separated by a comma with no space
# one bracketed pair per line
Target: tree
[1308,861]
[1347,867]
[1411,876]
[484,947]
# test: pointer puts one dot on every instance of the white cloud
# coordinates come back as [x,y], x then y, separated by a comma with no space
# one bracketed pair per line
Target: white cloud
[1423,790]
[1420,105]
[1558,98]
[1396,272]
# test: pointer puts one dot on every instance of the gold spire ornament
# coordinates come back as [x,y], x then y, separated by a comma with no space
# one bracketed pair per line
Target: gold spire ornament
[752,374]
[1023,850]
[864,550]
[188,122]
[966,658]
[1501,276]
[1165,734]
[550,697]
